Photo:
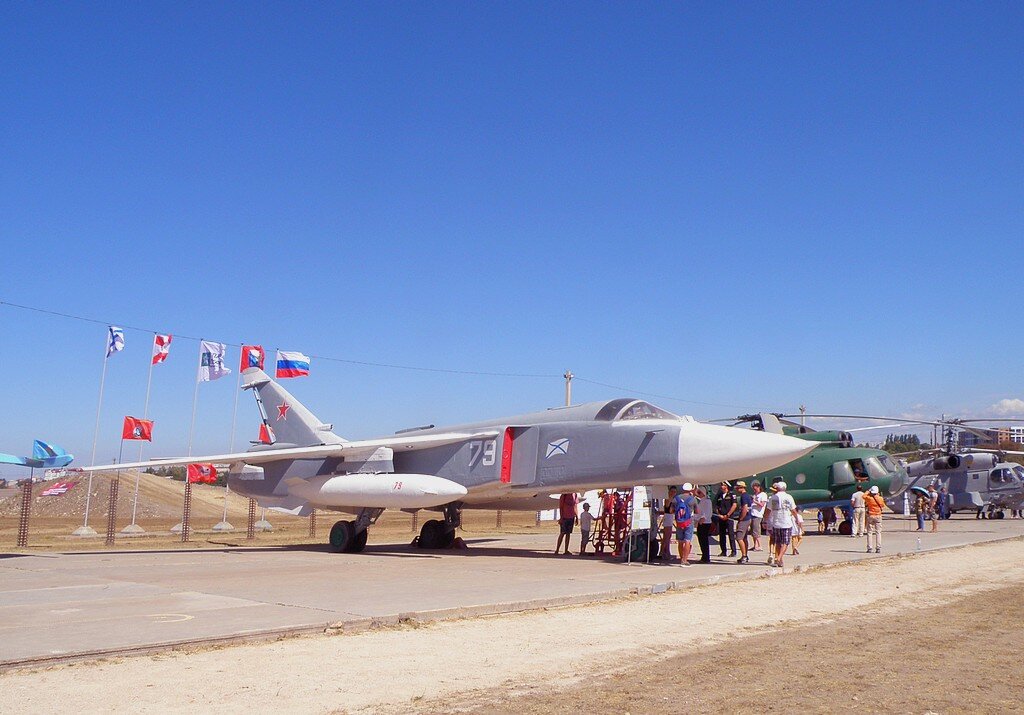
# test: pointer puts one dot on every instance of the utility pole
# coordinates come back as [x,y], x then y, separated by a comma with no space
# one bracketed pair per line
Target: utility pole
[568,387]
[803,411]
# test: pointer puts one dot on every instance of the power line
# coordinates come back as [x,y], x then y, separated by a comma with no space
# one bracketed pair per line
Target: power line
[364,363]
[660,397]
[389,366]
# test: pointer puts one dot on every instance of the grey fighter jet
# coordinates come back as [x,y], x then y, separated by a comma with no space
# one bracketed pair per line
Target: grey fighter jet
[508,463]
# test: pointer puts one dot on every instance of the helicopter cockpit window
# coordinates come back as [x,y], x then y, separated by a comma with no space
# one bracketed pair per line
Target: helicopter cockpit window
[1000,476]
[859,470]
[875,468]
[842,473]
[645,411]
[887,463]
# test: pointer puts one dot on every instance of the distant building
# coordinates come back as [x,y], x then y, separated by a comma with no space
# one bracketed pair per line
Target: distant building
[1016,434]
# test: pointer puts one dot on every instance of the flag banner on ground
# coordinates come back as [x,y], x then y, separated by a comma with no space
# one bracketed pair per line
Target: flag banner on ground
[57,489]
[115,340]
[252,356]
[206,473]
[211,361]
[161,348]
[266,434]
[292,364]
[134,428]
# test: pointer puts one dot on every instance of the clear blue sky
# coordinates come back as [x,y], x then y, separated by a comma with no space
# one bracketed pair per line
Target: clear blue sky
[748,205]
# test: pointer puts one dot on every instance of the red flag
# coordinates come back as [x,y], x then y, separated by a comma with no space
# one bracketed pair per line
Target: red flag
[202,473]
[266,434]
[252,356]
[161,348]
[134,428]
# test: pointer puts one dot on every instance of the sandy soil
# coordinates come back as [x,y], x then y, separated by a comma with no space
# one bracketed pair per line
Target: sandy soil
[839,629]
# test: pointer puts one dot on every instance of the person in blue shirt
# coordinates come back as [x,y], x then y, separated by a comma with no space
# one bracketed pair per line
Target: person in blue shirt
[683,505]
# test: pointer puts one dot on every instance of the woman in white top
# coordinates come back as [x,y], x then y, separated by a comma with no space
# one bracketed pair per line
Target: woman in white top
[757,512]
[798,532]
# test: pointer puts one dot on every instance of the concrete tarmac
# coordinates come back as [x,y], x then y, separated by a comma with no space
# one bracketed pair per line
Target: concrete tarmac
[64,606]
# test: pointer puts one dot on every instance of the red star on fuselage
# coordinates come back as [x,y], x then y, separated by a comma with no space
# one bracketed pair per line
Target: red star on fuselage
[282,411]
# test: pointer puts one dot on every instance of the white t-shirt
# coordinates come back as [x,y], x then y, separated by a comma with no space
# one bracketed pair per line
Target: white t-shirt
[760,501]
[857,500]
[704,511]
[782,505]
[586,519]
[798,525]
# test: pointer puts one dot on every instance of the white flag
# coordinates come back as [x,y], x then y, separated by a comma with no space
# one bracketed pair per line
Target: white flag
[211,361]
[115,340]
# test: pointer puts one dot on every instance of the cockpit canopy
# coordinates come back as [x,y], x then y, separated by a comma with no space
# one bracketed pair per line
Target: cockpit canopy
[629,409]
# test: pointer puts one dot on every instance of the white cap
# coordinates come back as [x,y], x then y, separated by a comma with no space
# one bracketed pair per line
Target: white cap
[687,487]
[873,490]
[781,486]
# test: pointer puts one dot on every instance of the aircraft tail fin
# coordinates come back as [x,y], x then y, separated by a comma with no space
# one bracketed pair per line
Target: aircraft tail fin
[43,450]
[287,421]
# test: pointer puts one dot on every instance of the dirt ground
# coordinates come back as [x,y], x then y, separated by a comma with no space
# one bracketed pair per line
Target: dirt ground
[949,658]
[935,632]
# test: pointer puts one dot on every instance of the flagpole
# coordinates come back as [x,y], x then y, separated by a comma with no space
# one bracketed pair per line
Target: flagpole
[195,399]
[234,414]
[142,443]
[84,531]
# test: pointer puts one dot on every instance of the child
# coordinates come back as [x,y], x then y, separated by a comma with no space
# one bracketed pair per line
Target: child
[798,532]
[821,521]
[586,520]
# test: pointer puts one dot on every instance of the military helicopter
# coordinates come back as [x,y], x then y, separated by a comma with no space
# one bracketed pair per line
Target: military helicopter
[829,475]
[975,479]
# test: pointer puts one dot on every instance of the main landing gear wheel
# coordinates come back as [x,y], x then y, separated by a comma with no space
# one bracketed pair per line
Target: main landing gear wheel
[342,536]
[434,534]
[845,528]
[359,541]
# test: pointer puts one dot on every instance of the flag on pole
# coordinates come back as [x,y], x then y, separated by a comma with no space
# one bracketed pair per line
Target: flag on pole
[211,361]
[266,434]
[252,356]
[161,348]
[115,340]
[206,473]
[292,364]
[134,428]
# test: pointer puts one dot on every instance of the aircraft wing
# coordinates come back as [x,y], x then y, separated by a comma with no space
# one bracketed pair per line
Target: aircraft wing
[398,443]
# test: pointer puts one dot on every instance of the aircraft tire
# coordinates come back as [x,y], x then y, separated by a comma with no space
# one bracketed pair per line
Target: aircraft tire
[341,536]
[999,514]
[845,528]
[447,536]
[358,542]
[432,534]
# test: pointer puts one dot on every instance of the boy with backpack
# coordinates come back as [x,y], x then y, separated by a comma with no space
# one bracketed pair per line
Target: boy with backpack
[683,505]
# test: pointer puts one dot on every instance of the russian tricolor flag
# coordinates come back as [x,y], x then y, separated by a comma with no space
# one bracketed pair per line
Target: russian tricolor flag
[292,364]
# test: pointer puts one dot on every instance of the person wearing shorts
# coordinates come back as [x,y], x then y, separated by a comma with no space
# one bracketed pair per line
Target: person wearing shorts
[782,512]
[684,530]
[744,520]
[566,519]
[760,501]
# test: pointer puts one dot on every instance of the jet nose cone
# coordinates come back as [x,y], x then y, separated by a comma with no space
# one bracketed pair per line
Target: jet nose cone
[710,453]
